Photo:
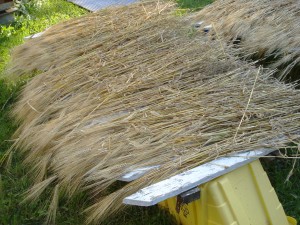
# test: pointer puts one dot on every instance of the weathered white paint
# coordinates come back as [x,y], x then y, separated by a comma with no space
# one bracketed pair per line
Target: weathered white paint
[185,181]
[135,174]
[34,36]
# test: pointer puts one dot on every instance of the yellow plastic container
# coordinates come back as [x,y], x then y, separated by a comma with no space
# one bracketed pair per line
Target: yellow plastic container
[242,197]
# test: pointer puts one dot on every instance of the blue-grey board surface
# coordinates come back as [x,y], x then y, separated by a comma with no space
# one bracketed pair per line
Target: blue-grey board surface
[94,5]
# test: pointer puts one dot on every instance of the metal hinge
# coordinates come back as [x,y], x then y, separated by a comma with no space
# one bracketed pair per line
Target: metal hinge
[187,197]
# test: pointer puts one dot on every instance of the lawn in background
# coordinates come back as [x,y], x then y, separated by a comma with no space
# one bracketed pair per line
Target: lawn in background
[37,16]
[193,4]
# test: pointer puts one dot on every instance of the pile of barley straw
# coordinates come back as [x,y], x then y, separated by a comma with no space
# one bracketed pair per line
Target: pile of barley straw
[135,86]
[267,30]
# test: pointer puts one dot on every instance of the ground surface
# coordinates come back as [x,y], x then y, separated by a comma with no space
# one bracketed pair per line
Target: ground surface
[13,182]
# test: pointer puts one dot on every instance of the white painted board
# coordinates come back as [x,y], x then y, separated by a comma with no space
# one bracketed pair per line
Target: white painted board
[137,173]
[34,35]
[185,181]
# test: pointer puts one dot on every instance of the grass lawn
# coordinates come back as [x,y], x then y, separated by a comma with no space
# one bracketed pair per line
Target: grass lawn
[193,4]
[14,182]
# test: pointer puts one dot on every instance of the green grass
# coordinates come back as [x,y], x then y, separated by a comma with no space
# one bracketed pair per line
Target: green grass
[36,19]
[288,192]
[193,4]
[14,182]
